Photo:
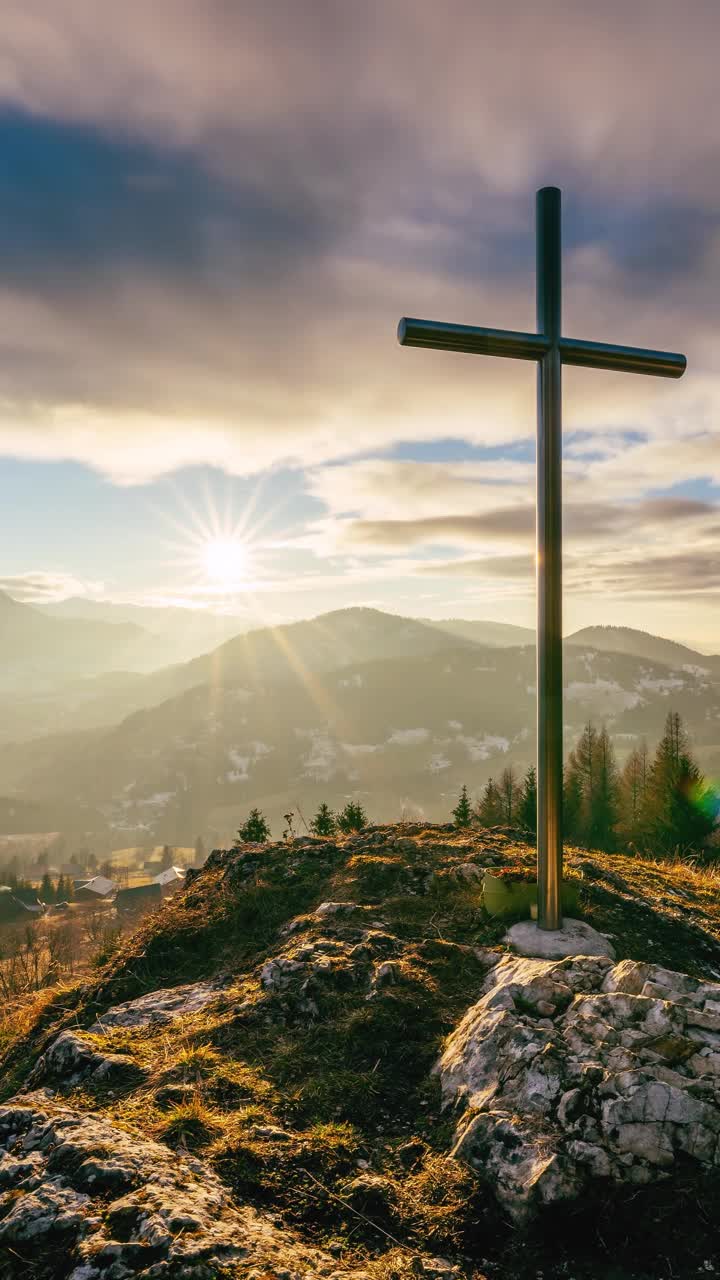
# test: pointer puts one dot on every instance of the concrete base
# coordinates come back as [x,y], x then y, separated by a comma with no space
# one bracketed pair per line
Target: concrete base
[574,939]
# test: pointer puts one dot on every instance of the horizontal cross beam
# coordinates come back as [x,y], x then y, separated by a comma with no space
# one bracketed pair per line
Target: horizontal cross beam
[533,346]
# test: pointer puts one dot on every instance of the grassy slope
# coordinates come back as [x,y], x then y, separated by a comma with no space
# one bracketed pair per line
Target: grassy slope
[285,1105]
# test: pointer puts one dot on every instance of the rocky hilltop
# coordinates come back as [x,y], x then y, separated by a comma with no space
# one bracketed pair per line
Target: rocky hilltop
[321,1060]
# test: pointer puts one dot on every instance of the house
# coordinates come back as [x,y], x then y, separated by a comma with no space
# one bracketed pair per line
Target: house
[96,890]
[29,899]
[12,909]
[141,897]
[170,878]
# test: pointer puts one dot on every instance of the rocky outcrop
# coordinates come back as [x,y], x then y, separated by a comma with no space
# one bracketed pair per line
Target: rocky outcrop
[159,1006]
[71,1059]
[84,1200]
[572,1070]
[77,1056]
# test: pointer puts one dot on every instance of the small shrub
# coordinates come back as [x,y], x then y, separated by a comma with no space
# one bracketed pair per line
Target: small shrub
[352,818]
[324,822]
[255,829]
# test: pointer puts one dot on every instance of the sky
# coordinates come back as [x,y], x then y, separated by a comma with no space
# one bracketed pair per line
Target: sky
[212,217]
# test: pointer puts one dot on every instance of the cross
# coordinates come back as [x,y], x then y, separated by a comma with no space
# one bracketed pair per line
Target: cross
[550,351]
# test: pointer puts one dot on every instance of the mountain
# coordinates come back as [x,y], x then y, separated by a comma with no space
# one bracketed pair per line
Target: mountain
[644,645]
[269,720]
[37,651]
[171,634]
[265,654]
[500,634]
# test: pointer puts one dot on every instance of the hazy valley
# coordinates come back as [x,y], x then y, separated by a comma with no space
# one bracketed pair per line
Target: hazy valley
[397,712]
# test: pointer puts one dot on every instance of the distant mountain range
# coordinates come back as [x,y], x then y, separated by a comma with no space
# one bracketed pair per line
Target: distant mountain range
[644,645]
[395,711]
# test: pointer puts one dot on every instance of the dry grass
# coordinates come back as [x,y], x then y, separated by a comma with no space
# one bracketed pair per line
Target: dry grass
[285,1107]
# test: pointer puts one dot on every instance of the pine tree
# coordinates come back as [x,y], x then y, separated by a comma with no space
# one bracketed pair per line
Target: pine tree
[572,801]
[166,858]
[590,790]
[508,794]
[603,809]
[254,830]
[633,794]
[323,824]
[527,803]
[462,813]
[490,810]
[678,814]
[47,892]
[352,818]
[200,854]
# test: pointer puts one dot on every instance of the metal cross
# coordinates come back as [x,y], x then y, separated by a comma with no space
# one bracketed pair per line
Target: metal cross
[551,351]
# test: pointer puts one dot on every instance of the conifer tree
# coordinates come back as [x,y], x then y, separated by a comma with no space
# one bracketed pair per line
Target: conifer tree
[351,818]
[47,892]
[590,790]
[323,824]
[677,813]
[462,813]
[633,795]
[572,801]
[527,803]
[508,792]
[199,851]
[254,830]
[603,804]
[490,810]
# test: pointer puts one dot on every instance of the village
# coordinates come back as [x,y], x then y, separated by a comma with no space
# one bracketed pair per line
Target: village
[60,916]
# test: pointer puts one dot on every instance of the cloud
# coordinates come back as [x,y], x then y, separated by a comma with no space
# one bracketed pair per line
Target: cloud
[43,587]
[213,236]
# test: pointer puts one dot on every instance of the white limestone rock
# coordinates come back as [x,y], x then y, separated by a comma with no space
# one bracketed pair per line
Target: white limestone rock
[578,1069]
[143,1210]
[158,1007]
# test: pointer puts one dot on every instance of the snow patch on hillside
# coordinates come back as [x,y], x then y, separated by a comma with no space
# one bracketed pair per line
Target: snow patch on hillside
[408,737]
[608,691]
[351,682]
[483,748]
[438,762]
[661,684]
[320,761]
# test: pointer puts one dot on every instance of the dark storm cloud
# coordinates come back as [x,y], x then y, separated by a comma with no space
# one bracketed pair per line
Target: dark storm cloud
[213,215]
[76,203]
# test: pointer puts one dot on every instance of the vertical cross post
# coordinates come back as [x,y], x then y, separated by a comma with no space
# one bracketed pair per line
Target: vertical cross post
[551,351]
[549,561]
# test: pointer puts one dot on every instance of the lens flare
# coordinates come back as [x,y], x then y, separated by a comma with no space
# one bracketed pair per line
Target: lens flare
[705,796]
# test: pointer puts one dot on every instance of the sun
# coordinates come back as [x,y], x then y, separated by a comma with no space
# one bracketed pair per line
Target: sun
[226,560]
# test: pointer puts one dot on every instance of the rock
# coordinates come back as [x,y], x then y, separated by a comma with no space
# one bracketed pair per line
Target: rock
[159,1006]
[369,1192]
[71,1058]
[335,909]
[575,938]
[469,871]
[629,976]
[143,1210]
[548,1104]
